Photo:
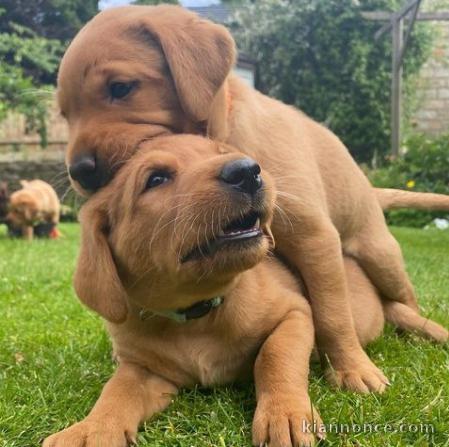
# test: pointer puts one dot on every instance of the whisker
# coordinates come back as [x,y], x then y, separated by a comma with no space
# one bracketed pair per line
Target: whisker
[284,215]
[64,195]
[288,196]
[181,246]
[159,229]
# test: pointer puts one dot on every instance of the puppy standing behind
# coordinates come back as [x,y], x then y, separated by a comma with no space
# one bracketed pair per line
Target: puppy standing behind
[36,202]
[182,234]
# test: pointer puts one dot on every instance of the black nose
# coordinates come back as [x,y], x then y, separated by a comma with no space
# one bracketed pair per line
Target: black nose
[243,175]
[87,172]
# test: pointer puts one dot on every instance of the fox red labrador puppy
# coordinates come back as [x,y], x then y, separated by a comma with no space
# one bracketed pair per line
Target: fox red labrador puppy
[35,203]
[136,72]
[174,252]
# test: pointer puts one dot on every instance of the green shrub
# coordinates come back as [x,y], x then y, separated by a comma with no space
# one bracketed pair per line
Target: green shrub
[19,90]
[33,35]
[424,167]
[321,56]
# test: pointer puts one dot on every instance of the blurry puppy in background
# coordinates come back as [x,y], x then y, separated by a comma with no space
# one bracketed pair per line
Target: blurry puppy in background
[174,254]
[36,203]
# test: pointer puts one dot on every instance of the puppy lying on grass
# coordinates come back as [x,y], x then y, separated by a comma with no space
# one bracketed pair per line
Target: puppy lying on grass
[175,254]
[36,203]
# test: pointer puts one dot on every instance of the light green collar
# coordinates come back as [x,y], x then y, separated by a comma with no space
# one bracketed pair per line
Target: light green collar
[198,310]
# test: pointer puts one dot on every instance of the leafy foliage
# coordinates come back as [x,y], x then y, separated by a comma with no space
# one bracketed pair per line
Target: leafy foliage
[54,19]
[424,167]
[33,35]
[25,58]
[321,56]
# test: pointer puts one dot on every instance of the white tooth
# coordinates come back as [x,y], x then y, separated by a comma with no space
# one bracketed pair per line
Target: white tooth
[257,225]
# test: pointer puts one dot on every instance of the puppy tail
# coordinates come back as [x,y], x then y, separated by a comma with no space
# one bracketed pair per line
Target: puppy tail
[407,319]
[391,199]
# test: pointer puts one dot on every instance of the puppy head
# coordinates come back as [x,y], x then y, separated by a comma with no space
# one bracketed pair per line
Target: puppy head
[133,73]
[176,225]
[23,209]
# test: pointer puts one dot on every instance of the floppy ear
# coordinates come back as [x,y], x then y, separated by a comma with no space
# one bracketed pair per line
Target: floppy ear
[199,53]
[96,280]
[217,122]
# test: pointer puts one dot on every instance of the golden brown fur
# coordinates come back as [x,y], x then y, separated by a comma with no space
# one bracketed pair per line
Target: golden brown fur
[36,202]
[178,69]
[391,199]
[134,240]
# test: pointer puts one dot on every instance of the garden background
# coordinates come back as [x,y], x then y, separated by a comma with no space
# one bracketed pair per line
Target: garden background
[319,55]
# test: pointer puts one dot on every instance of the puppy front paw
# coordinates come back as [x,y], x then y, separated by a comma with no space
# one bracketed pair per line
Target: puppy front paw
[286,421]
[357,374]
[88,433]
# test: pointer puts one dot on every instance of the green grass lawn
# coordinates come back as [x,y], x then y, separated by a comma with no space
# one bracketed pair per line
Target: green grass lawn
[55,357]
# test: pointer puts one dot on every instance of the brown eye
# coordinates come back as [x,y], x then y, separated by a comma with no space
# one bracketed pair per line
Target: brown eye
[157,178]
[118,90]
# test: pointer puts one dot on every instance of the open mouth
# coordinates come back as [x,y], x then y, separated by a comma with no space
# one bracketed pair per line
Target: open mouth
[239,230]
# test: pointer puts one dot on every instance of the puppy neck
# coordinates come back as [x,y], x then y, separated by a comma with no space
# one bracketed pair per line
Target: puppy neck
[182,302]
[198,310]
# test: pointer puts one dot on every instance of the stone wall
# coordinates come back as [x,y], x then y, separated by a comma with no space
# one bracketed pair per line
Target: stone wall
[48,168]
[432,115]
[22,158]
[13,127]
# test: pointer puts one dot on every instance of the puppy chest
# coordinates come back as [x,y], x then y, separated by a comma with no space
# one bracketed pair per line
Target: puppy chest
[187,361]
[216,363]
[191,353]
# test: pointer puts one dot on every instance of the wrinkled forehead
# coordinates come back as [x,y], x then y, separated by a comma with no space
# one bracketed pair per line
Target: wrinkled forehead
[182,150]
[174,153]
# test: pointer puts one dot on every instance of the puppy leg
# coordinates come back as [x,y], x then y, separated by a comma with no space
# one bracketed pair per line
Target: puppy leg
[380,256]
[131,396]
[318,256]
[284,415]
[366,304]
[407,319]
[28,232]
